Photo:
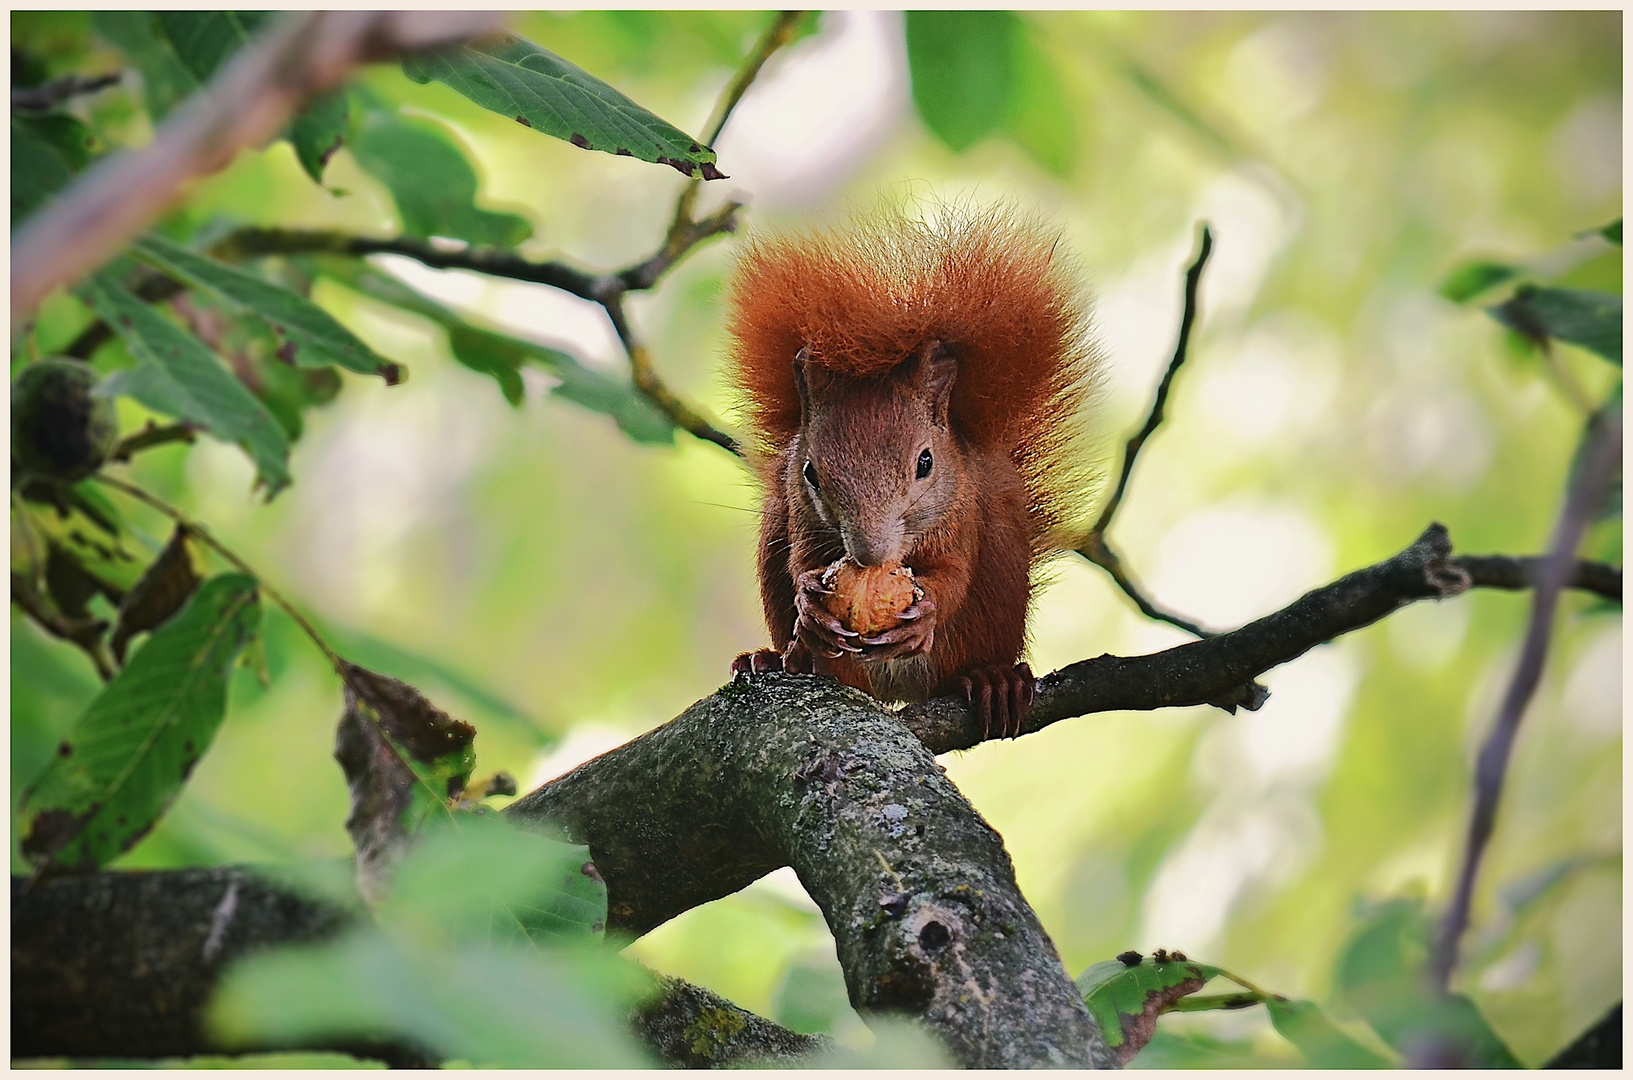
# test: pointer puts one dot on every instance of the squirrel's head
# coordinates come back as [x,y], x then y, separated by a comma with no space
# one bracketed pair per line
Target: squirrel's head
[877,457]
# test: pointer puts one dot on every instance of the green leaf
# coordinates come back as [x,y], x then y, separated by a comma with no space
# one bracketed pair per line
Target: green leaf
[1040,119]
[404,759]
[1612,232]
[178,376]
[503,357]
[1592,320]
[491,1006]
[313,338]
[46,152]
[318,130]
[515,78]
[203,40]
[963,70]
[1473,278]
[1127,999]
[1323,1044]
[475,877]
[137,34]
[129,754]
[432,183]
[1381,975]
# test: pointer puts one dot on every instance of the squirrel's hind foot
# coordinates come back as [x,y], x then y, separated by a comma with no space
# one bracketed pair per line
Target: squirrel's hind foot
[1000,697]
[757,662]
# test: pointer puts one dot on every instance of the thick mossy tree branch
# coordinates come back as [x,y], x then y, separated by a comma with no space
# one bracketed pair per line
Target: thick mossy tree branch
[121,965]
[785,770]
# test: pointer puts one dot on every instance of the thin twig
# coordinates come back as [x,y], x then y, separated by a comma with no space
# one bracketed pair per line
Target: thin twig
[647,382]
[84,632]
[198,529]
[153,435]
[49,95]
[1525,571]
[1604,450]
[245,105]
[1094,547]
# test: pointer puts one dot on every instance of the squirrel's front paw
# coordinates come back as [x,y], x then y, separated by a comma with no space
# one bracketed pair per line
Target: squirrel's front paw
[914,633]
[815,626]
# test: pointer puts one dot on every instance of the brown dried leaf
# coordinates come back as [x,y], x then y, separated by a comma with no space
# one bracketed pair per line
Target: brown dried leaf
[404,759]
[162,591]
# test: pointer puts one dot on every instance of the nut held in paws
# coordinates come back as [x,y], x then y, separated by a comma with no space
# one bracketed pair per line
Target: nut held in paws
[867,599]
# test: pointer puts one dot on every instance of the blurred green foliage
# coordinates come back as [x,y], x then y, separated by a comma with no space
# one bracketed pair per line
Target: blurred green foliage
[564,586]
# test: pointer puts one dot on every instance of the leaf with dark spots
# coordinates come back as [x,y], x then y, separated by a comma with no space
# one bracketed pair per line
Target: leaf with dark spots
[318,130]
[516,78]
[403,758]
[158,595]
[68,583]
[522,120]
[286,352]
[1126,1000]
[136,742]
[176,374]
[323,340]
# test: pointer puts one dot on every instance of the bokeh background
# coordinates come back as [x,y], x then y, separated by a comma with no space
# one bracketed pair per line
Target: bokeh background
[541,575]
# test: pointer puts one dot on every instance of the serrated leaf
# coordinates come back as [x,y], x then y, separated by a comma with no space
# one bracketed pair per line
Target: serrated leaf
[176,375]
[962,65]
[204,40]
[127,757]
[137,34]
[503,357]
[1323,1044]
[404,759]
[1592,320]
[1473,278]
[1127,999]
[317,339]
[161,592]
[432,183]
[512,76]
[318,129]
[46,152]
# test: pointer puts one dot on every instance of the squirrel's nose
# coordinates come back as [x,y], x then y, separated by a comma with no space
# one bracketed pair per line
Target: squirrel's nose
[869,550]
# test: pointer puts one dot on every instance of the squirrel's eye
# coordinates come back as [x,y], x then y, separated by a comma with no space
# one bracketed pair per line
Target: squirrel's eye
[924,464]
[810,476]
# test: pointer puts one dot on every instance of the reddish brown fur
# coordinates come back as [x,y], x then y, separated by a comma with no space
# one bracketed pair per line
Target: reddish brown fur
[985,292]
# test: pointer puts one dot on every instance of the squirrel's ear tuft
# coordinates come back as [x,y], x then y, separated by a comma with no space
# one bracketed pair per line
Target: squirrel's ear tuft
[933,371]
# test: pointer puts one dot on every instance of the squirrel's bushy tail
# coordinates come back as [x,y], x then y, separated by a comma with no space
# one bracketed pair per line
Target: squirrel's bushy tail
[993,285]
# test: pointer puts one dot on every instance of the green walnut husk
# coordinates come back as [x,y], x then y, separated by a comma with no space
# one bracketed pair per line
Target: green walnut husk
[60,429]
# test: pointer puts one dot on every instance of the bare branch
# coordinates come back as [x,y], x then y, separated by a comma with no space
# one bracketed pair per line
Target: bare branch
[648,382]
[1524,572]
[1094,548]
[1604,451]
[49,95]
[778,34]
[244,106]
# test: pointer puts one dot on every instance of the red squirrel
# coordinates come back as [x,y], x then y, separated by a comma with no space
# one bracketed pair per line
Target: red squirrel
[914,388]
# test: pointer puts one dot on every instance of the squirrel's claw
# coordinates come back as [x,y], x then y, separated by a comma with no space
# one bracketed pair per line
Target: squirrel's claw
[1000,698]
[757,662]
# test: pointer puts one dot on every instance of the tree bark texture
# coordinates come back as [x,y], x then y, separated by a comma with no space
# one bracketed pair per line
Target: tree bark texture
[121,965]
[786,770]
